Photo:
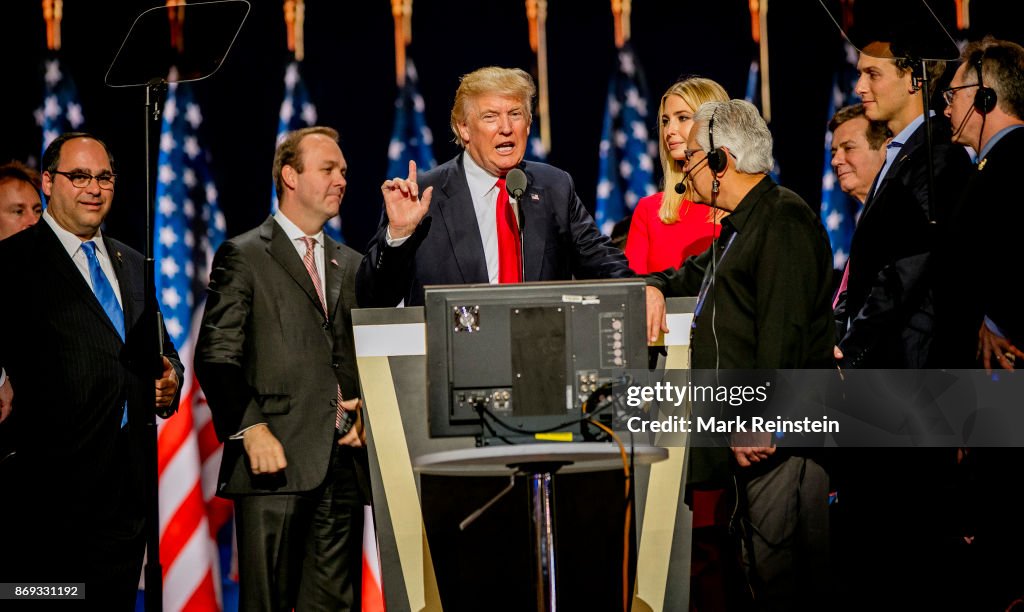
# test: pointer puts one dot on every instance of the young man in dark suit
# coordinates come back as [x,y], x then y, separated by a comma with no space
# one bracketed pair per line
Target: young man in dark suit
[464,228]
[72,361]
[895,502]
[276,359]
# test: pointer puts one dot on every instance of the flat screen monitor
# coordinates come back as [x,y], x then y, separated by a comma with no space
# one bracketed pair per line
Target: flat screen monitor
[507,361]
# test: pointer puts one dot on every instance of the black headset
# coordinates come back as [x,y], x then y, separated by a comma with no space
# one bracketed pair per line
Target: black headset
[716,157]
[985,99]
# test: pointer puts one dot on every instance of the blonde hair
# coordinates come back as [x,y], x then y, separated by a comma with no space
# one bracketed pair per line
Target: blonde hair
[511,82]
[695,91]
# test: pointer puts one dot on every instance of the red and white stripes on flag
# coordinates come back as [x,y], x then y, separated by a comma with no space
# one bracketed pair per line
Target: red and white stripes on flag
[373,593]
[190,514]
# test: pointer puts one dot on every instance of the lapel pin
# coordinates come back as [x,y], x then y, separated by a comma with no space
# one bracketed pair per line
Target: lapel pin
[535,197]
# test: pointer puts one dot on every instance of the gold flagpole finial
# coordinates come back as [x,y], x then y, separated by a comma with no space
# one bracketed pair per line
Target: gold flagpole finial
[53,13]
[176,19]
[617,20]
[755,20]
[398,10]
[531,18]
[289,23]
[300,30]
[963,14]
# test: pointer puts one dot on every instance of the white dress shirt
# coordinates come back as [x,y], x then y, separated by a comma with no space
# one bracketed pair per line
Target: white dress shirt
[73,245]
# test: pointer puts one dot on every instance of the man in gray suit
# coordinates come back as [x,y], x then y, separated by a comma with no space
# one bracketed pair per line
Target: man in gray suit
[276,359]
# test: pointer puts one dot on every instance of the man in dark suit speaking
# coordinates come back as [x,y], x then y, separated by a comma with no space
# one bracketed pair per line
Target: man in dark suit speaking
[78,296]
[275,358]
[465,228]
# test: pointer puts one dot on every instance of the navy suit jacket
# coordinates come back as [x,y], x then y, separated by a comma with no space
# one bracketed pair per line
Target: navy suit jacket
[560,239]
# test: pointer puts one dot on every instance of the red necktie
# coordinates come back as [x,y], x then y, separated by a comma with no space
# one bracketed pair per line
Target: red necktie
[310,264]
[510,254]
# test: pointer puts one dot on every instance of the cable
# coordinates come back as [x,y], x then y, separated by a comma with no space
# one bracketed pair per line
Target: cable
[616,399]
[629,512]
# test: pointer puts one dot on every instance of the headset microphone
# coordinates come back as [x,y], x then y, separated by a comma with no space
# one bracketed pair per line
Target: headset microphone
[681,187]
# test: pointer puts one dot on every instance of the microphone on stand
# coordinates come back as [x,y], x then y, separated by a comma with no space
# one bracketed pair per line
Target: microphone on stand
[515,185]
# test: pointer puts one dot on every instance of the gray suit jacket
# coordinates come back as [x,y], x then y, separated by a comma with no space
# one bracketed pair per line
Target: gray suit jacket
[268,353]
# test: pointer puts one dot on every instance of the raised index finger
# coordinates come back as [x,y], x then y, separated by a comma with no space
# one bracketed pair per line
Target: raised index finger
[412,171]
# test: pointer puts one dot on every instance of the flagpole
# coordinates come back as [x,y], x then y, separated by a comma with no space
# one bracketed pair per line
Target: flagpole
[766,97]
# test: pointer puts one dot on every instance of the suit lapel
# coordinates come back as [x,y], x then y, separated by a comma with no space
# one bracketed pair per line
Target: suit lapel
[916,140]
[531,211]
[282,251]
[72,276]
[459,217]
[334,273]
[127,282]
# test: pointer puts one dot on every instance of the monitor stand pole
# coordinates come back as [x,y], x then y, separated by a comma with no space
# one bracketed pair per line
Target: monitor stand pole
[542,506]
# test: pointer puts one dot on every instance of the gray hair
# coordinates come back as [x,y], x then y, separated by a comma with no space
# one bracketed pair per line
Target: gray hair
[739,128]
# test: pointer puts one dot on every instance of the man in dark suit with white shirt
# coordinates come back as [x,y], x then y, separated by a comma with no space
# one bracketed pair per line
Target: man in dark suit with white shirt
[76,371]
[276,359]
[456,224]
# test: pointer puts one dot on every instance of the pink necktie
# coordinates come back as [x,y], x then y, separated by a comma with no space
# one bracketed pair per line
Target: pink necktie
[842,285]
[310,263]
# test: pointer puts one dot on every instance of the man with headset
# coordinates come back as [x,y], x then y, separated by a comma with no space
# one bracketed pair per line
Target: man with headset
[985,101]
[763,304]
[985,104]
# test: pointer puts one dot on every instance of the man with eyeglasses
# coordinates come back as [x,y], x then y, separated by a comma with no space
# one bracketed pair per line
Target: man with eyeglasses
[988,115]
[74,362]
[981,250]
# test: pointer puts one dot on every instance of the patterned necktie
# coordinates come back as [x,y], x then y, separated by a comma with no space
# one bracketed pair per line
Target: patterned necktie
[342,420]
[510,254]
[105,295]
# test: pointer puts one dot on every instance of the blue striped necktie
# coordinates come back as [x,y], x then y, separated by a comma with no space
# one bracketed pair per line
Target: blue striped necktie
[105,294]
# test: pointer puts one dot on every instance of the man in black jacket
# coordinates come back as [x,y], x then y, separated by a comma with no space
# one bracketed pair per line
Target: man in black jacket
[763,303]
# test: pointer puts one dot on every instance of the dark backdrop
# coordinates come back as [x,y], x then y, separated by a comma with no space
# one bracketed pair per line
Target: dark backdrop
[349,68]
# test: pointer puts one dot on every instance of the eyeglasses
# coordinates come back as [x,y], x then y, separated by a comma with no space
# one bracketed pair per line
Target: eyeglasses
[81,180]
[688,153]
[947,93]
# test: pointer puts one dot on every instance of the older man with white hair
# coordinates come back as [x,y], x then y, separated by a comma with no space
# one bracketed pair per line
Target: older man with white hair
[763,304]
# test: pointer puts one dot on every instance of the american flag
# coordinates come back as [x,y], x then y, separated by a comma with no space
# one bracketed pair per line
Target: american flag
[298,111]
[411,138]
[839,212]
[752,96]
[535,150]
[60,112]
[188,228]
[627,168]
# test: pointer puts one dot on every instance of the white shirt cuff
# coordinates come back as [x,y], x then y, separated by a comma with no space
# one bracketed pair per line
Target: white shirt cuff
[240,434]
[393,242]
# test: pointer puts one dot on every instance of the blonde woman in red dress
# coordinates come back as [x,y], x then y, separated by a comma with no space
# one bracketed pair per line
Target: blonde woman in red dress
[666,227]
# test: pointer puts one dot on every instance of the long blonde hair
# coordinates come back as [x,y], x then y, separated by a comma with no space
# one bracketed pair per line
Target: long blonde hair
[694,91]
